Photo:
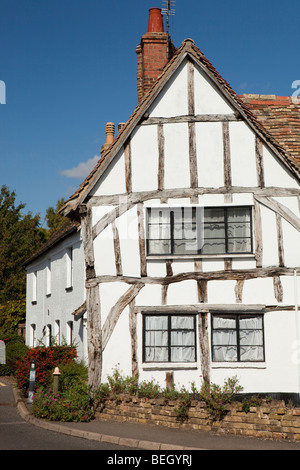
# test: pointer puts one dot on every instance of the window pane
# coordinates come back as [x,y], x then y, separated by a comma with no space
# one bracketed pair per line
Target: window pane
[187,231]
[251,322]
[224,337]
[239,245]
[180,338]
[156,354]
[252,353]
[158,216]
[182,322]
[213,214]
[185,246]
[154,322]
[238,214]
[159,231]
[224,321]
[251,337]
[212,246]
[225,353]
[216,230]
[183,354]
[239,230]
[156,338]
[159,247]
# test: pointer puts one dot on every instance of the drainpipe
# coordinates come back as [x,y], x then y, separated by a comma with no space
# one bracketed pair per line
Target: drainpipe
[297,330]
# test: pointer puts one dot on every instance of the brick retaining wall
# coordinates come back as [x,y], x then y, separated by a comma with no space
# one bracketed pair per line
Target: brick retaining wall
[272,421]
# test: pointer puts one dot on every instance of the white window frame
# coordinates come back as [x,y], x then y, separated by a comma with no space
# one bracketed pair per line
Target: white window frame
[48,277]
[34,288]
[69,267]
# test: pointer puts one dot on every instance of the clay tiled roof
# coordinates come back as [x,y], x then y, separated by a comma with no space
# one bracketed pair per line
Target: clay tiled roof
[280,115]
[69,227]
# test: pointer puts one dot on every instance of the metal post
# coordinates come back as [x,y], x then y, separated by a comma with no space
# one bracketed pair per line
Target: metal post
[56,375]
[31,380]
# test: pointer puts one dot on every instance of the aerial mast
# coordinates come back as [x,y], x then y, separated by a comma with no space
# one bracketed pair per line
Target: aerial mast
[168,10]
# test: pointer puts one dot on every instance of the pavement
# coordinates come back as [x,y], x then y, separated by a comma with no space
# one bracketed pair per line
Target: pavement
[145,436]
[134,435]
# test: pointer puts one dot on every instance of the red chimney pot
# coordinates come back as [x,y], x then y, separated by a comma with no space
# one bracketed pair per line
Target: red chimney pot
[155,24]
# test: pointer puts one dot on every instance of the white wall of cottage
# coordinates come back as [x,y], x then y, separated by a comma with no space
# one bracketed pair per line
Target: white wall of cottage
[279,372]
[48,305]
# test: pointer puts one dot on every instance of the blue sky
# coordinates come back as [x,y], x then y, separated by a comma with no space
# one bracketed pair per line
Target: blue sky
[69,66]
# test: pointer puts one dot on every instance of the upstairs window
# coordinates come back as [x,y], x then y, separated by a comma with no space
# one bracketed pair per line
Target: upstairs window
[199,231]
[69,268]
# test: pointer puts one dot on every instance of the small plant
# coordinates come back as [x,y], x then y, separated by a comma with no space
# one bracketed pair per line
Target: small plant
[217,398]
[184,398]
[148,390]
[74,404]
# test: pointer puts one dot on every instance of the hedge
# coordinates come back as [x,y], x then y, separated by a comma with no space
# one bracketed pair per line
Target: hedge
[46,358]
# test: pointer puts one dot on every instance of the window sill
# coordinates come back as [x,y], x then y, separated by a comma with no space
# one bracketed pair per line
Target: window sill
[224,256]
[169,366]
[238,365]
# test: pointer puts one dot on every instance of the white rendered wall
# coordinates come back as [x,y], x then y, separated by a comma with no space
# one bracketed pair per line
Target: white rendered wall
[62,300]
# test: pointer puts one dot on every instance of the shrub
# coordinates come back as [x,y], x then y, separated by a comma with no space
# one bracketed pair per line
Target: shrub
[71,373]
[47,358]
[216,398]
[15,350]
[73,404]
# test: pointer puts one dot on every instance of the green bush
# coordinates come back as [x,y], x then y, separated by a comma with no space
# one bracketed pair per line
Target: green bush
[71,373]
[73,400]
[46,358]
[216,398]
[72,405]
[15,350]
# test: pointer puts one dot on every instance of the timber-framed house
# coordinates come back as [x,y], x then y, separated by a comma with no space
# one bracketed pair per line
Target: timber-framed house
[190,229]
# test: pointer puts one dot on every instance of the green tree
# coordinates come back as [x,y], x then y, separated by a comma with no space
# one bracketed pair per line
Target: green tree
[54,219]
[20,237]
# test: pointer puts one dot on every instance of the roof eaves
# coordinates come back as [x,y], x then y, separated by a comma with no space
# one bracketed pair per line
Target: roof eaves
[67,229]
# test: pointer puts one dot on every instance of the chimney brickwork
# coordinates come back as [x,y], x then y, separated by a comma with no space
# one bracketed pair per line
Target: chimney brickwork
[153,53]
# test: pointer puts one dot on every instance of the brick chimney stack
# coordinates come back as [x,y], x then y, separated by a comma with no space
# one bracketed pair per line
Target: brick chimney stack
[153,53]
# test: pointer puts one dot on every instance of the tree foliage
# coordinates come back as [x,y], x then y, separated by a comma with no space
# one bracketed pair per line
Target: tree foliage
[54,219]
[21,236]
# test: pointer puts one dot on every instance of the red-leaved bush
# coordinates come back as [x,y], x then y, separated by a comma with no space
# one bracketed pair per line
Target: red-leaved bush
[47,358]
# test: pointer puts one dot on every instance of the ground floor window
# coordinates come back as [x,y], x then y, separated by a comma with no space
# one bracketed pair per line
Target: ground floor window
[169,338]
[237,338]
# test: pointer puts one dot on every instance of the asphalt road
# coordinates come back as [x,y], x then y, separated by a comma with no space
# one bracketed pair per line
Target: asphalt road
[17,434]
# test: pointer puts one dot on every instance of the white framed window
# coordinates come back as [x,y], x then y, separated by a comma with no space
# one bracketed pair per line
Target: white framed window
[69,332]
[169,338]
[34,288]
[69,268]
[199,230]
[57,332]
[33,335]
[49,335]
[48,277]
